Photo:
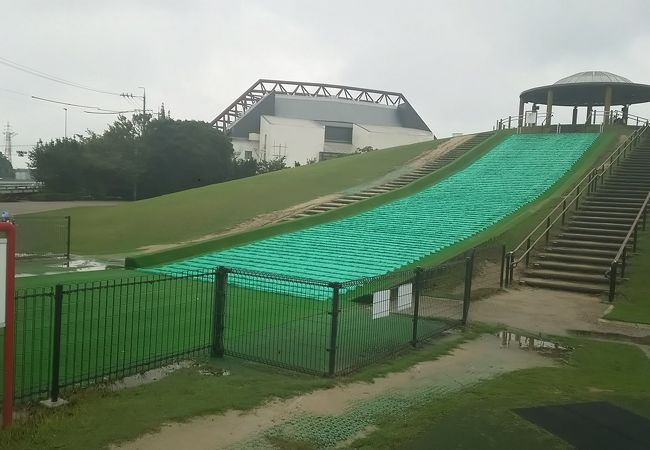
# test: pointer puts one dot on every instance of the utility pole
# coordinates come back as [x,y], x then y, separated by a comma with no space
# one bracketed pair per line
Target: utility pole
[135,149]
[8,135]
[144,107]
[65,126]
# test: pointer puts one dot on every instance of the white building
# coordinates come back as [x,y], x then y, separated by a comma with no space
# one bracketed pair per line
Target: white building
[310,121]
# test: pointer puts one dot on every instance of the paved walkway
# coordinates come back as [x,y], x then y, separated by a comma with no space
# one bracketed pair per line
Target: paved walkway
[18,208]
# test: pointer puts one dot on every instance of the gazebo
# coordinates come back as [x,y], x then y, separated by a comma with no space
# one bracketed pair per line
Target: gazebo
[587,89]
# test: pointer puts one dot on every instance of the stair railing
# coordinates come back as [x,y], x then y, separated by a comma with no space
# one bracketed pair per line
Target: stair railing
[588,184]
[621,256]
[508,122]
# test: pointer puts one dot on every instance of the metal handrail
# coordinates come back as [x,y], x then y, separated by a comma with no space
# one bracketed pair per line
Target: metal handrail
[513,121]
[621,255]
[591,179]
[613,115]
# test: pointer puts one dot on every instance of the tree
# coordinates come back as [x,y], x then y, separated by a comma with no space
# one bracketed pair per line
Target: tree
[170,155]
[59,165]
[177,155]
[271,165]
[6,169]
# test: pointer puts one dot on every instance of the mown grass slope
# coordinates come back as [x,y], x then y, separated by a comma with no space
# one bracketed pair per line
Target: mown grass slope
[212,209]
[510,230]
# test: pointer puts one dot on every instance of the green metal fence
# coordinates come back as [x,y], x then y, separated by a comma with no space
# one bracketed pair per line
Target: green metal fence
[38,236]
[70,336]
[76,335]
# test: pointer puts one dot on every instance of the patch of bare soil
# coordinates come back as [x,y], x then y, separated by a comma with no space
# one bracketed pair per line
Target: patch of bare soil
[472,362]
[256,222]
[550,312]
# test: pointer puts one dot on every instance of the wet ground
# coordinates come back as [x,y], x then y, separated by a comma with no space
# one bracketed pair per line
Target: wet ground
[329,417]
[26,267]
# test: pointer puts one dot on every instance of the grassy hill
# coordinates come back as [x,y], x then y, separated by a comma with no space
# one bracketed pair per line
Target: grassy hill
[212,209]
[510,230]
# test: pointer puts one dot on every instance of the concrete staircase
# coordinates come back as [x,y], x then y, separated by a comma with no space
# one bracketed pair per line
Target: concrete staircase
[579,255]
[398,182]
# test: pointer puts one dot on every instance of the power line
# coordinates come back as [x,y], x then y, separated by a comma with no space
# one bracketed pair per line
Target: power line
[76,105]
[112,112]
[38,73]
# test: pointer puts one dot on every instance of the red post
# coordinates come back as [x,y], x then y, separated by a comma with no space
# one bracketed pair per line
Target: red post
[8,388]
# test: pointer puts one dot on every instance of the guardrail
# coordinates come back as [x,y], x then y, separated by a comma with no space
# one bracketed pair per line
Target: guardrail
[617,117]
[509,122]
[19,187]
[558,214]
[621,256]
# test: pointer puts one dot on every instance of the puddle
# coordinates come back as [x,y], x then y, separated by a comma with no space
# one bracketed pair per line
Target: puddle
[56,265]
[150,376]
[514,339]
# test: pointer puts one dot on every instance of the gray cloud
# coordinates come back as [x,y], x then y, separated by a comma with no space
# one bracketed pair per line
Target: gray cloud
[461,63]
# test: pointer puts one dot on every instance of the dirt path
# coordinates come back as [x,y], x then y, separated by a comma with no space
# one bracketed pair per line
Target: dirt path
[550,312]
[17,208]
[474,361]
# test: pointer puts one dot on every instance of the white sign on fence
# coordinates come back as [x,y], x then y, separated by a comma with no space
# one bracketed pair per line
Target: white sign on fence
[3,280]
[380,304]
[404,296]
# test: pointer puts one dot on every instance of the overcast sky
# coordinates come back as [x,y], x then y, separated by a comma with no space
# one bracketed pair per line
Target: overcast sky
[461,64]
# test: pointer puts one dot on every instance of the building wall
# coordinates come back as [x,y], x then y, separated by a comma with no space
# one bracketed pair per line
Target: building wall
[336,110]
[245,147]
[337,147]
[23,175]
[384,137]
[298,140]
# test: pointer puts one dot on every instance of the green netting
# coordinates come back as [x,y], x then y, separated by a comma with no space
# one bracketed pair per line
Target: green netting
[516,172]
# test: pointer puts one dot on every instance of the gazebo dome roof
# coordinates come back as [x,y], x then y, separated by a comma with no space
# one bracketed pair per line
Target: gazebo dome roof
[588,88]
[594,76]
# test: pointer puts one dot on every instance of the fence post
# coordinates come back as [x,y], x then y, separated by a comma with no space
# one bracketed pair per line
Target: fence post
[469,269]
[511,266]
[612,280]
[67,244]
[636,227]
[334,328]
[503,265]
[56,343]
[221,282]
[417,282]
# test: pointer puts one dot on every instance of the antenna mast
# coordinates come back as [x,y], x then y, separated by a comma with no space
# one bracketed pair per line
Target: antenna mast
[8,134]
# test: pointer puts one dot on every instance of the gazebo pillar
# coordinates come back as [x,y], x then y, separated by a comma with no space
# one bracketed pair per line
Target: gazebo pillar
[574,118]
[588,119]
[549,106]
[626,112]
[522,105]
[608,104]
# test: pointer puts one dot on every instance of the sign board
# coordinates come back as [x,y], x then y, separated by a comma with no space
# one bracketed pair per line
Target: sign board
[404,296]
[3,280]
[380,304]
[531,118]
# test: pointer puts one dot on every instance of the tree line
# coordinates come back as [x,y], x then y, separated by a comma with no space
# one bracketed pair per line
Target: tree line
[140,158]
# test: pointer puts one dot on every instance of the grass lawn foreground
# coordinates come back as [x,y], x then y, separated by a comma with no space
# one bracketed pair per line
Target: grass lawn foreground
[478,417]
[632,303]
